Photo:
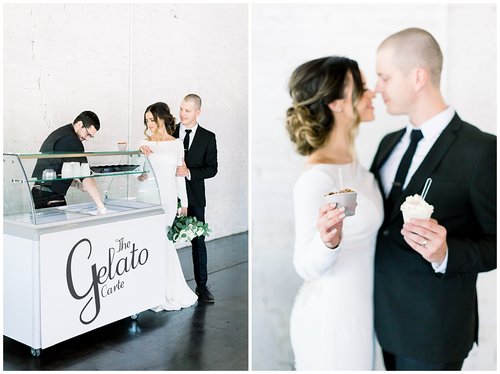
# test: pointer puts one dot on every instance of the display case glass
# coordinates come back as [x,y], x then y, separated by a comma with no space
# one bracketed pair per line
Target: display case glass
[125,180]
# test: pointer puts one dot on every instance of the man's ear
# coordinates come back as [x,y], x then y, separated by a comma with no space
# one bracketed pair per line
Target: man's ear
[420,78]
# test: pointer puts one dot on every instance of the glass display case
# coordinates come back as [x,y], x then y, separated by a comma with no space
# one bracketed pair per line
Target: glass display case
[118,176]
[70,267]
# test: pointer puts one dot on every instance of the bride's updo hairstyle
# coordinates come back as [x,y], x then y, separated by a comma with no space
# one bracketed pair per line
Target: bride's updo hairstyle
[160,111]
[314,85]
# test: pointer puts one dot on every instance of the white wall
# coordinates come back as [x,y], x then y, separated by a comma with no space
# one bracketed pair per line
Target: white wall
[116,59]
[284,36]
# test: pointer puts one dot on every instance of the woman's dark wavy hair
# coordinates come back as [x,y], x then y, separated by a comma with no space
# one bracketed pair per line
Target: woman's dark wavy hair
[160,110]
[313,85]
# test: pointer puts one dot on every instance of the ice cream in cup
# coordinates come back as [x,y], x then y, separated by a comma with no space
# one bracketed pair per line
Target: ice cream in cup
[416,207]
[346,198]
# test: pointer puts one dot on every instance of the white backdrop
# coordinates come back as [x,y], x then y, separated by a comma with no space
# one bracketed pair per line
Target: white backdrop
[284,36]
[116,59]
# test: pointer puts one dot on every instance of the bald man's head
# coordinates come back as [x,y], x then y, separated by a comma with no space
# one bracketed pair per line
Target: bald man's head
[416,48]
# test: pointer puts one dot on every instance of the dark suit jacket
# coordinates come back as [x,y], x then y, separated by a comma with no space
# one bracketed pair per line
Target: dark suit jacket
[63,139]
[420,313]
[201,161]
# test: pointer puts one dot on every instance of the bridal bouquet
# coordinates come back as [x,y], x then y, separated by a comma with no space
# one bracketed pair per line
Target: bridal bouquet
[186,228]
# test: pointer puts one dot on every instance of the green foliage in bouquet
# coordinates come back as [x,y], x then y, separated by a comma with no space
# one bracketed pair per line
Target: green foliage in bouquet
[185,229]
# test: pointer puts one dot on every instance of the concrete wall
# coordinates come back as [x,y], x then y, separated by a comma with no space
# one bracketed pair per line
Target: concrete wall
[284,36]
[116,59]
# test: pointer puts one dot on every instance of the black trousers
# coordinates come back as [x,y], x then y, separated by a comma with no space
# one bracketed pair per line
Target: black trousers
[199,249]
[46,198]
[398,362]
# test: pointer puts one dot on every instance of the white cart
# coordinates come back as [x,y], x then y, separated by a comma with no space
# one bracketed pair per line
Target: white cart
[67,270]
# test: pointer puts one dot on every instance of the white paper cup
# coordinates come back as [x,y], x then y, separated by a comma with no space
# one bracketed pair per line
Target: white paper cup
[122,146]
[85,169]
[415,207]
[422,214]
[76,171]
[345,199]
[67,170]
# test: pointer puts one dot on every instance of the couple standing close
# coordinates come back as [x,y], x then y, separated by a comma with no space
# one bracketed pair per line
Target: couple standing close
[413,284]
[182,156]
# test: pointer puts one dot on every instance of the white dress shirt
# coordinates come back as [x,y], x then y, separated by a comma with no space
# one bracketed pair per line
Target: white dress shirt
[182,133]
[431,129]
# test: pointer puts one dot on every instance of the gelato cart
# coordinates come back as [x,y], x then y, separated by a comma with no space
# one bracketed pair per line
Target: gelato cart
[73,268]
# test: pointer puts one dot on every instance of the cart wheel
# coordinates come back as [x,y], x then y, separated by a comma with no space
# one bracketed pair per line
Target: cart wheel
[36,352]
[134,316]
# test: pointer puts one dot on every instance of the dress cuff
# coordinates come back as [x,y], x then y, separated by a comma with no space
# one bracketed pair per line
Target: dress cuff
[327,250]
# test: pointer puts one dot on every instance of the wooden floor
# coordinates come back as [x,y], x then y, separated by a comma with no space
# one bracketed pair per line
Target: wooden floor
[202,337]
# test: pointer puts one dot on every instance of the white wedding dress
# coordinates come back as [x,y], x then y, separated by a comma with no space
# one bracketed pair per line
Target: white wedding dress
[331,325]
[166,156]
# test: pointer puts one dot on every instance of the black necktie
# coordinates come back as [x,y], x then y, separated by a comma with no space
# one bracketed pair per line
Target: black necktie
[186,141]
[399,180]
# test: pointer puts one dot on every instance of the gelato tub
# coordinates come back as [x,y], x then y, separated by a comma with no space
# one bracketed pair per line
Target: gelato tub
[346,198]
[416,207]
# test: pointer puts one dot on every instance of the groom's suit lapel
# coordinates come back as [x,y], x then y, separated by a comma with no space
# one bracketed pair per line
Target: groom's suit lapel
[389,145]
[195,144]
[383,154]
[196,140]
[198,137]
[430,162]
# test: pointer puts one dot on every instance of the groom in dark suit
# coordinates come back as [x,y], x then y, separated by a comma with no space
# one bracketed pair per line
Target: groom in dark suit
[426,313]
[200,163]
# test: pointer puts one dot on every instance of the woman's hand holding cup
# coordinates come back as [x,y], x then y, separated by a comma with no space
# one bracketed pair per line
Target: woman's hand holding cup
[329,224]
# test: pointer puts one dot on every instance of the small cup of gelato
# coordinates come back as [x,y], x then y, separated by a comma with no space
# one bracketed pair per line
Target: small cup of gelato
[346,198]
[122,146]
[416,207]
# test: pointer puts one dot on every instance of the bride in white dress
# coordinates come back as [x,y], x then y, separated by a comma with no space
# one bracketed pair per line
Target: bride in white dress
[331,325]
[165,153]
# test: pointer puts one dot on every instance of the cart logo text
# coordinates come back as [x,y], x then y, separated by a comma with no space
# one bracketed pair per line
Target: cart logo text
[94,284]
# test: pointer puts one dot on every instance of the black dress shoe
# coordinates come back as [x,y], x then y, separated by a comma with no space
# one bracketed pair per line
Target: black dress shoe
[204,294]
